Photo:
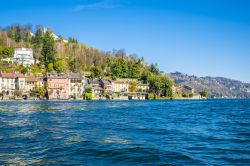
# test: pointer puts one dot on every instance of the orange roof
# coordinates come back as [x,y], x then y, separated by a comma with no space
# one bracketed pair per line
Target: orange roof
[11,75]
[120,82]
[31,79]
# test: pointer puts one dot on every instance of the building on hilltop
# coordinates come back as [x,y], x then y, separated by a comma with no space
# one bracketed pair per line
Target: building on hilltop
[23,56]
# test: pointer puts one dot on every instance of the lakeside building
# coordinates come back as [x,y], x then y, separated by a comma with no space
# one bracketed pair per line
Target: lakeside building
[106,85]
[76,85]
[142,87]
[136,95]
[187,89]
[96,87]
[9,82]
[176,89]
[31,82]
[57,86]
[67,86]
[121,85]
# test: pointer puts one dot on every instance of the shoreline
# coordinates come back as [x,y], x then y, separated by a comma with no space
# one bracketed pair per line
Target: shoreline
[131,100]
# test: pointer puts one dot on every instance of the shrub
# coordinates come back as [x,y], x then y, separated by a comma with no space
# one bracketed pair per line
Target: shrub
[87,96]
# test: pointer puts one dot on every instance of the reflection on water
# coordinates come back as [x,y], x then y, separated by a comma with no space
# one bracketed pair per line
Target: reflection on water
[212,132]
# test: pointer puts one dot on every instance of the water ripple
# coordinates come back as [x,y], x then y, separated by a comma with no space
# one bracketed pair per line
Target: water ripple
[207,132]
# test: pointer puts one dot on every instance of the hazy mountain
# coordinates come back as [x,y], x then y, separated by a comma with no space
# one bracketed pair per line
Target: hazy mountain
[216,86]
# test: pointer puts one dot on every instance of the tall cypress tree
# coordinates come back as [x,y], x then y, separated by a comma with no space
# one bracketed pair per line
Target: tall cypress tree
[48,51]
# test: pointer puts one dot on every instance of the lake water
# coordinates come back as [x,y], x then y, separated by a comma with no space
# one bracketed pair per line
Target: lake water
[212,132]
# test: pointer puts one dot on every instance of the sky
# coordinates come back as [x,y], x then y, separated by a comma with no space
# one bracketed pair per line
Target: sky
[197,37]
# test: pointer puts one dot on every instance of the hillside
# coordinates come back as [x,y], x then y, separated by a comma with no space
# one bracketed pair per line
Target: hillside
[216,86]
[54,53]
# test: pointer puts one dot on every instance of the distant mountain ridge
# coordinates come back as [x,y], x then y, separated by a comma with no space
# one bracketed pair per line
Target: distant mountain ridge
[217,87]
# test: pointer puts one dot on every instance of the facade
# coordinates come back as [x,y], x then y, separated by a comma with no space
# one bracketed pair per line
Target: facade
[176,89]
[9,82]
[31,81]
[23,56]
[187,89]
[106,85]
[76,85]
[20,83]
[142,88]
[40,81]
[57,86]
[137,96]
[96,87]
[66,86]
[120,86]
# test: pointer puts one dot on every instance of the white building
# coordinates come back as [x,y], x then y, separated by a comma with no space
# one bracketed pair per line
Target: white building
[120,85]
[23,56]
[9,82]
[76,85]
[142,87]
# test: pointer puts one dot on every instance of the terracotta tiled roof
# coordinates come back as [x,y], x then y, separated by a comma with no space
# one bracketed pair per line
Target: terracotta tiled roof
[31,79]
[11,75]
[120,82]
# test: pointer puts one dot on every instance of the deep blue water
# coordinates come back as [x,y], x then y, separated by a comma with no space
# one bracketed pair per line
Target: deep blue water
[212,132]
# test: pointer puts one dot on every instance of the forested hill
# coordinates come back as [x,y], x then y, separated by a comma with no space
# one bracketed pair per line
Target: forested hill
[56,54]
[216,86]
[61,55]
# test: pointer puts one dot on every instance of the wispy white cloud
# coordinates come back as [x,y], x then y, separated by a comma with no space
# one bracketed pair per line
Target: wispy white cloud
[103,4]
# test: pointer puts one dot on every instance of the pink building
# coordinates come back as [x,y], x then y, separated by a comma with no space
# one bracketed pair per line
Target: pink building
[57,86]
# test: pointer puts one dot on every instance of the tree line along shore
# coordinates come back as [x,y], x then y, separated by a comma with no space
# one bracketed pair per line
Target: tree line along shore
[37,64]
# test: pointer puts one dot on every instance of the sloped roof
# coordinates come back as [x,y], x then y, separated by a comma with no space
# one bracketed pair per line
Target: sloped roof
[12,75]
[75,76]
[31,79]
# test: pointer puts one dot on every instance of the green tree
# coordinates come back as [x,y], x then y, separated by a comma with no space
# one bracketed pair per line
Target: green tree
[37,41]
[154,69]
[87,95]
[132,86]
[60,66]
[11,32]
[204,94]
[119,68]
[7,52]
[1,49]
[151,96]
[50,67]
[72,40]
[18,36]
[133,69]
[48,51]
[161,85]
[96,72]
[39,91]
[24,70]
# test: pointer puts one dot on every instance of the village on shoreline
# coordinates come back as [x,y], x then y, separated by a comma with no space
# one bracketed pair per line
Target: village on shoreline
[74,86]
[44,66]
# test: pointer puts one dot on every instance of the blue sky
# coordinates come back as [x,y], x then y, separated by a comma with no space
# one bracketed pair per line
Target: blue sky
[199,37]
